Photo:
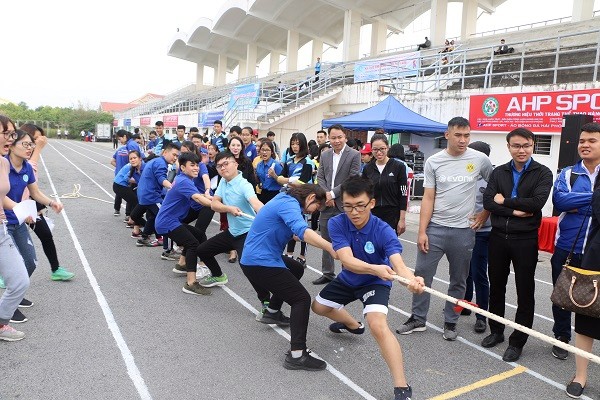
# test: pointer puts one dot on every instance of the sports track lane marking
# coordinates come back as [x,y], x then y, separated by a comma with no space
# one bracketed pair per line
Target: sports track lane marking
[343,378]
[97,162]
[90,151]
[132,369]
[479,384]
[392,307]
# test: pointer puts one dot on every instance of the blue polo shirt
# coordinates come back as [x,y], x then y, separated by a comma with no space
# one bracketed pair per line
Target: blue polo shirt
[250,151]
[517,176]
[199,183]
[237,192]
[150,186]
[18,182]
[121,158]
[151,144]
[262,172]
[176,205]
[133,145]
[122,177]
[274,226]
[373,244]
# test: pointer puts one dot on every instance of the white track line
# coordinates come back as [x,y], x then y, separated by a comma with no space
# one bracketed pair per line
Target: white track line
[132,369]
[88,150]
[111,168]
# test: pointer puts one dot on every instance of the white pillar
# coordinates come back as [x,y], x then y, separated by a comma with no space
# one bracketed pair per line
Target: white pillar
[439,13]
[293,43]
[378,37]
[317,50]
[352,22]
[582,10]
[221,71]
[274,63]
[242,68]
[199,76]
[251,55]
[469,19]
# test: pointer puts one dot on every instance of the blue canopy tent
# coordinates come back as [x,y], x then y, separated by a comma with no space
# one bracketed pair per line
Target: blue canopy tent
[392,116]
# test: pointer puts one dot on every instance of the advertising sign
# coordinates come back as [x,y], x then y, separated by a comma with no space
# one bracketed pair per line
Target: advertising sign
[127,122]
[397,66]
[145,121]
[244,97]
[537,111]
[208,118]
[171,121]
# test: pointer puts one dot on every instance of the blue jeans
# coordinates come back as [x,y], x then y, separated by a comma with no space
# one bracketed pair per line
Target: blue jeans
[478,273]
[20,235]
[14,274]
[562,318]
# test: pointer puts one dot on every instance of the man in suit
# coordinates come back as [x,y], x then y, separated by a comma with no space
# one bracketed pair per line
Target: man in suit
[335,167]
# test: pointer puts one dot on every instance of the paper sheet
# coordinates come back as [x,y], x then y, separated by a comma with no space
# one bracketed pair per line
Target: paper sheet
[25,209]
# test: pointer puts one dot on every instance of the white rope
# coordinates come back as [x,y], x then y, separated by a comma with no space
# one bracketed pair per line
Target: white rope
[246,216]
[76,194]
[572,349]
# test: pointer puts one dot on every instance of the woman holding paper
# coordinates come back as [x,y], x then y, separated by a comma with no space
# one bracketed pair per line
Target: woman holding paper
[22,177]
[12,268]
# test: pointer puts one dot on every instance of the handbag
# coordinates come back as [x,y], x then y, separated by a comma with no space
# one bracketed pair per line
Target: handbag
[576,289]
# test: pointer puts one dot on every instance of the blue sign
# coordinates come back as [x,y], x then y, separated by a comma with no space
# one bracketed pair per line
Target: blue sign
[244,97]
[208,118]
[127,122]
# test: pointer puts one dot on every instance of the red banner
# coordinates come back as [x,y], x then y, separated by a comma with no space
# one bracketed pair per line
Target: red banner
[171,121]
[144,121]
[537,111]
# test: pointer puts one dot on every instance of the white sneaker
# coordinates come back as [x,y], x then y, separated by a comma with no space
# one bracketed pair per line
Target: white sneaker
[10,334]
[202,272]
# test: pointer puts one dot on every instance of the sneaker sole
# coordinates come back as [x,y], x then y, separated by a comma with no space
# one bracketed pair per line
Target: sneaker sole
[278,323]
[197,294]
[18,322]
[62,279]
[28,306]
[420,329]
[450,339]
[214,284]
[553,355]
[12,339]
[177,271]
[295,367]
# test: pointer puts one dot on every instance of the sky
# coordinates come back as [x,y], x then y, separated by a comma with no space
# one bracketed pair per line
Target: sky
[69,54]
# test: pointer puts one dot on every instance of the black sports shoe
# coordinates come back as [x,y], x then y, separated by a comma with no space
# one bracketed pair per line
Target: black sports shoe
[25,303]
[18,317]
[306,362]
[276,318]
[574,390]
[559,353]
[403,393]
[338,327]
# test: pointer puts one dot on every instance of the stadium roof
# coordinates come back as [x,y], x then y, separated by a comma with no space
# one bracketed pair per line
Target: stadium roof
[265,23]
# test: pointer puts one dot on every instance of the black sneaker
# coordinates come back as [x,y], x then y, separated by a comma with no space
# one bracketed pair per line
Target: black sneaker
[25,303]
[558,352]
[276,318]
[301,261]
[306,362]
[18,317]
[338,327]
[403,393]
[574,390]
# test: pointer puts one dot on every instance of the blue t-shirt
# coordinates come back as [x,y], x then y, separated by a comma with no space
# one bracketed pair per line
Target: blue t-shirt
[121,158]
[150,186]
[237,192]
[18,183]
[151,144]
[176,204]
[122,177]
[199,183]
[373,244]
[274,226]
[262,172]
[250,151]
[133,145]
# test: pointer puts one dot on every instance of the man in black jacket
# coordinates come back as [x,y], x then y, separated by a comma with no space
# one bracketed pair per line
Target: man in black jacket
[515,195]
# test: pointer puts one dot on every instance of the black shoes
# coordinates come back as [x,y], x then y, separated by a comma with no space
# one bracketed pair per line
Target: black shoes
[559,353]
[276,318]
[322,280]
[512,354]
[338,327]
[574,390]
[18,317]
[403,393]
[25,303]
[492,340]
[480,326]
[306,362]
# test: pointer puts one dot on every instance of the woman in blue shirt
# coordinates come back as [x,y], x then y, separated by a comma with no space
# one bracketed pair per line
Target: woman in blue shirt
[125,185]
[263,264]
[268,187]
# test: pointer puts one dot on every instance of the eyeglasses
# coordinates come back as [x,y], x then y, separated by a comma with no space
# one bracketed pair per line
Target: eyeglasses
[28,145]
[10,135]
[526,146]
[359,208]
[379,149]
[265,150]
[222,165]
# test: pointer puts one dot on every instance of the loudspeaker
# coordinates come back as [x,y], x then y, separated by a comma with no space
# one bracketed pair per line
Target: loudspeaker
[569,138]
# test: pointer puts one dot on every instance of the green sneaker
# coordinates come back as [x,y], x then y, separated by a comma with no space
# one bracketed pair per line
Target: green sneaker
[62,274]
[180,269]
[210,281]
[195,289]
[263,308]
[2,285]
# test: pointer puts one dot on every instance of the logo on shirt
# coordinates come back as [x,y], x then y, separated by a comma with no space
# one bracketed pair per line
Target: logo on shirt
[470,167]
[369,248]
[367,295]
[391,174]
[460,178]
[26,178]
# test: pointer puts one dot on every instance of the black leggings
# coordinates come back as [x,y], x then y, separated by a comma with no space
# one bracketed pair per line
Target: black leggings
[202,217]
[223,242]
[285,285]
[391,215]
[43,232]
[190,238]
[126,193]
[137,217]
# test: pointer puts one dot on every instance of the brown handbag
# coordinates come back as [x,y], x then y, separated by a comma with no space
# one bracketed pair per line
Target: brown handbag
[576,289]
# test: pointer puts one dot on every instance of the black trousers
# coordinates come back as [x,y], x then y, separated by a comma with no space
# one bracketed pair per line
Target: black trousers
[389,214]
[151,213]
[223,242]
[202,218]
[523,253]
[190,238]
[126,193]
[43,232]
[286,287]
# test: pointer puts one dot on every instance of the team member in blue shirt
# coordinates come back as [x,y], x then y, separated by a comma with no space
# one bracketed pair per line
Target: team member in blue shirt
[119,159]
[125,185]
[265,268]
[268,186]
[369,250]
[249,146]
[175,207]
[150,189]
